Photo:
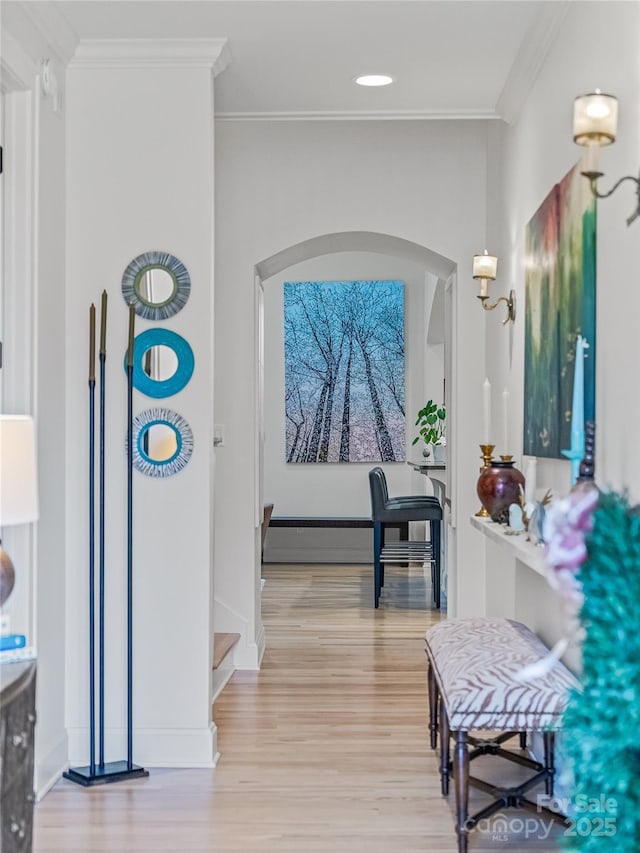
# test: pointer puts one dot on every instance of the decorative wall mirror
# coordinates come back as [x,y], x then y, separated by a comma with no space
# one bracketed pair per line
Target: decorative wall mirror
[162,442]
[162,363]
[157,284]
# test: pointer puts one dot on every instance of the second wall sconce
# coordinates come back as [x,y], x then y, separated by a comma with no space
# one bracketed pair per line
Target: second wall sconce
[485,269]
[595,121]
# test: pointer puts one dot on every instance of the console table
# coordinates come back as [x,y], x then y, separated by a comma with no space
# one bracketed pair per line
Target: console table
[17,723]
[437,473]
[517,588]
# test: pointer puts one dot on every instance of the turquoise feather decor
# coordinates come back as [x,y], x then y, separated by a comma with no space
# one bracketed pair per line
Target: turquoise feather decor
[601,750]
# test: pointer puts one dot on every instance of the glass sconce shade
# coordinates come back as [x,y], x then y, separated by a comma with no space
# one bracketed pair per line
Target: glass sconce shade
[485,266]
[595,119]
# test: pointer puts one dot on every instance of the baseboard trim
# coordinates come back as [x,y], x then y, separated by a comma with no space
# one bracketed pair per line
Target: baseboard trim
[261,642]
[248,656]
[152,747]
[51,766]
[221,674]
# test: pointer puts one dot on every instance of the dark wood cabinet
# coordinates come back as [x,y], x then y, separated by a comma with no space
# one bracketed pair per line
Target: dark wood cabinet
[17,723]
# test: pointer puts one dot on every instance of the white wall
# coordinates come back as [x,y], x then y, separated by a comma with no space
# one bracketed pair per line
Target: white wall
[138,181]
[51,391]
[527,159]
[281,183]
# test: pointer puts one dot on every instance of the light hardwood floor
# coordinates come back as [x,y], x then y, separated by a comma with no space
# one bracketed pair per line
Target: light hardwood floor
[324,750]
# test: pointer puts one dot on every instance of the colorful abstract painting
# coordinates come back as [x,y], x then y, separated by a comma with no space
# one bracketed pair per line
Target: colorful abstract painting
[560,281]
[344,371]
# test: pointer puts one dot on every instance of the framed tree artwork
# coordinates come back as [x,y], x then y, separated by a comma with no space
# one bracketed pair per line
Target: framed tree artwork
[344,371]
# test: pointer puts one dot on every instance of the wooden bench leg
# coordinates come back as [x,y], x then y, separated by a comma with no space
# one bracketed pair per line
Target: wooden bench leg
[433,706]
[461,780]
[549,762]
[445,737]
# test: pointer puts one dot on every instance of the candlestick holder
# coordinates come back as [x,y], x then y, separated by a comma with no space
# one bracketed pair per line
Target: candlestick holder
[506,458]
[487,456]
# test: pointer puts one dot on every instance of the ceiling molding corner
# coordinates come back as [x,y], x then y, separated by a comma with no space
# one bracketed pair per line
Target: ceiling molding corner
[17,68]
[212,53]
[530,59]
[53,28]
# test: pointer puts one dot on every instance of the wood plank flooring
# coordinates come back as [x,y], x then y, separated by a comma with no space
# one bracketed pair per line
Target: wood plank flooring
[325,750]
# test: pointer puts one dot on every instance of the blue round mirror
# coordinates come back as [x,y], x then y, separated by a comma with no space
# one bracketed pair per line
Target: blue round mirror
[163,363]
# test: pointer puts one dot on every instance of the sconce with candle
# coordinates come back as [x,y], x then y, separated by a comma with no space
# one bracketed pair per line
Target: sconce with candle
[485,269]
[595,121]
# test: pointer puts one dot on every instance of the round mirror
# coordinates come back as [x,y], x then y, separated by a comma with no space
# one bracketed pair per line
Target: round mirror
[162,363]
[157,284]
[162,442]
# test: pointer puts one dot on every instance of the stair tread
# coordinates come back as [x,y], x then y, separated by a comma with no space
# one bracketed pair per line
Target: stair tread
[222,645]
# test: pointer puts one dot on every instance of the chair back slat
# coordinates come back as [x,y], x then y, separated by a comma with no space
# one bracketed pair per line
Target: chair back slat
[379,492]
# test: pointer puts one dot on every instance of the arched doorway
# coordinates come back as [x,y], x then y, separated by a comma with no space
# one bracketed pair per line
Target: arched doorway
[439,267]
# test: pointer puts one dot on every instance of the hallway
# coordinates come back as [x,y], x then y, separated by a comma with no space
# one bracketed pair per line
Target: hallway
[323,751]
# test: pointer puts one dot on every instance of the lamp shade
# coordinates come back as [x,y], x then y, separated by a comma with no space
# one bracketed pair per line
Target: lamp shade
[18,480]
[595,119]
[485,266]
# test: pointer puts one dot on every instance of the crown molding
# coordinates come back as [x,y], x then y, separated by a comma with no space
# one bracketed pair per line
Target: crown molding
[356,115]
[53,28]
[530,59]
[17,68]
[152,53]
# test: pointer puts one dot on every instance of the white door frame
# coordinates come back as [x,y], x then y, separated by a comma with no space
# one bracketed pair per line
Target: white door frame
[19,83]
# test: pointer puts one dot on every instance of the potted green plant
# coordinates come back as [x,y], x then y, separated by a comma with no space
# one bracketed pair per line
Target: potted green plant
[431,422]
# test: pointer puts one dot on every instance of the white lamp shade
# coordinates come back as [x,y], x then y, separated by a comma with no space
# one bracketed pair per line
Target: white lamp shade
[595,119]
[18,480]
[485,266]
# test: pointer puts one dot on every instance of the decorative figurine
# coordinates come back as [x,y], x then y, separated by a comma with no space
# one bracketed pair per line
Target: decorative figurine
[515,518]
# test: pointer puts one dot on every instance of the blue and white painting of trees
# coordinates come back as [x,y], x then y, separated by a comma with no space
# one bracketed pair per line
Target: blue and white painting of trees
[344,371]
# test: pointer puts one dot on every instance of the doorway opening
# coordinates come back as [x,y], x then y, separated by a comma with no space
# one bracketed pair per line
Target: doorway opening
[342,489]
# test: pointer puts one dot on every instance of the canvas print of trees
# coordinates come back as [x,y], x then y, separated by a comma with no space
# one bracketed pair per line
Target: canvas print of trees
[560,281]
[344,371]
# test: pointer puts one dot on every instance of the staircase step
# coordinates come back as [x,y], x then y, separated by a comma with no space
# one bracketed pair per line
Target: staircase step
[222,645]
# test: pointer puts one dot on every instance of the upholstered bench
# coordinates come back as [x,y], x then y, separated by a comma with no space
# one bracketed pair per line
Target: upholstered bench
[476,683]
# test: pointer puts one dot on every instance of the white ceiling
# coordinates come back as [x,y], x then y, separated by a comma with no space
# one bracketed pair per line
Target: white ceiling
[450,58]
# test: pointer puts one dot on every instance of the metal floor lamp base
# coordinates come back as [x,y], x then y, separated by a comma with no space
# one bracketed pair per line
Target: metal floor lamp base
[112,771]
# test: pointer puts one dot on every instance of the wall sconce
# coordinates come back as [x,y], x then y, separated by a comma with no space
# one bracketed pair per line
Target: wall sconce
[595,120]
[485,268]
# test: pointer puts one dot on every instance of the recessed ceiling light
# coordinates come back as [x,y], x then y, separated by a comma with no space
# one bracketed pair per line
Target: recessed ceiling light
[374,80]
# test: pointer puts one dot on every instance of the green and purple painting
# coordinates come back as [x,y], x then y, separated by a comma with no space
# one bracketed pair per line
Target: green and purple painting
[344,371]
[560,282]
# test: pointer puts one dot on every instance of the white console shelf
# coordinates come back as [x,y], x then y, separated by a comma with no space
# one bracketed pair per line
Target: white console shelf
[521,550]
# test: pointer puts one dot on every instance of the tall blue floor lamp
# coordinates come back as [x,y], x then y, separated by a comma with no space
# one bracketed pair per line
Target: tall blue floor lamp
[100,772]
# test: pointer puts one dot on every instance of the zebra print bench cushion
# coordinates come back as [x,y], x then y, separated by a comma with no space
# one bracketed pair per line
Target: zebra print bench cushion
[477,663]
